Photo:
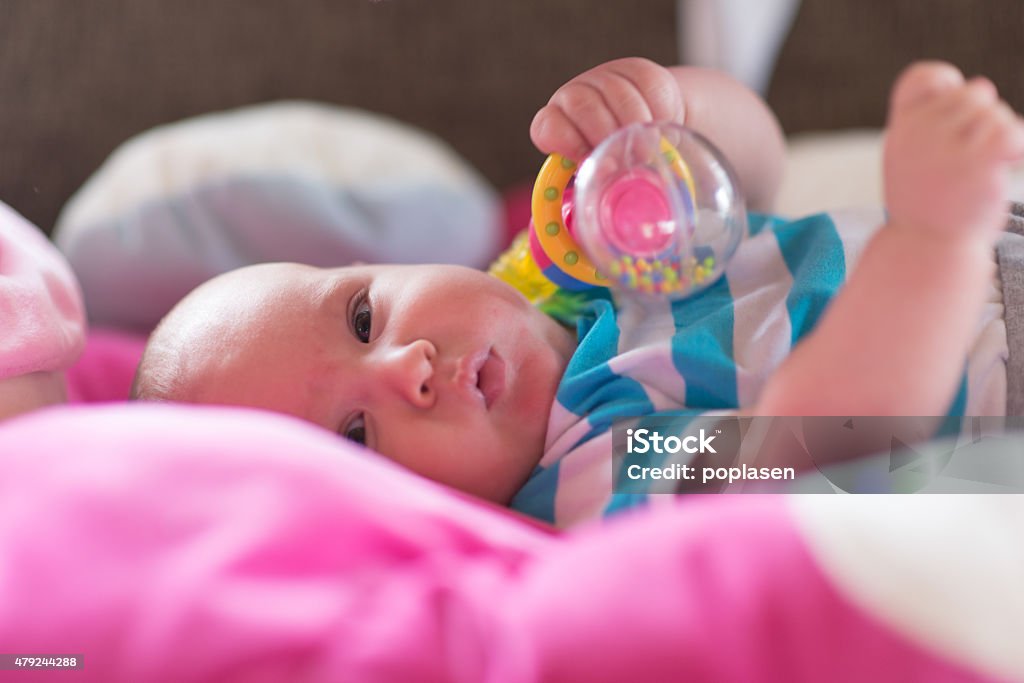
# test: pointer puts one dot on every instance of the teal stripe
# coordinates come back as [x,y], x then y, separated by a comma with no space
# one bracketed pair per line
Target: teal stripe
[758,222]
[620,502]
[537,497]
[702,349]
[813,252]
[954,416]
[603,396]
[589,386]
[959,404]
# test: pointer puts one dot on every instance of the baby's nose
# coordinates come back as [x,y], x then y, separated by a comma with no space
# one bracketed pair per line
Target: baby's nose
[409,370]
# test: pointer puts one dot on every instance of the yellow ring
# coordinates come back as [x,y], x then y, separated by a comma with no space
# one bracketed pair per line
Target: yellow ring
[552,234]
[679,166]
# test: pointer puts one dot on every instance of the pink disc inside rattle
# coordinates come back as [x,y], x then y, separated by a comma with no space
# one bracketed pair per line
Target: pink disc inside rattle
[635,214]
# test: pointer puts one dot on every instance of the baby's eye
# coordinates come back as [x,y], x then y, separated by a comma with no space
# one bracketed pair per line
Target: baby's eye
[355,430]
[362,318]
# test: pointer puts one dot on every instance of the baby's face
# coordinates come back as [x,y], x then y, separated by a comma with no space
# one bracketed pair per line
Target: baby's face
[443,369]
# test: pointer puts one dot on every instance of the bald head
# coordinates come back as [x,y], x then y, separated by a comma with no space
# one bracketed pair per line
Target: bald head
[213,328]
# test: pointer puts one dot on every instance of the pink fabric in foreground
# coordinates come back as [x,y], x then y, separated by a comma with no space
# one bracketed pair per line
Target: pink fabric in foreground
[204,544]
[106,368]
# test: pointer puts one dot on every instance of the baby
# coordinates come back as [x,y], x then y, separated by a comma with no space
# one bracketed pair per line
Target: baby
[452,374]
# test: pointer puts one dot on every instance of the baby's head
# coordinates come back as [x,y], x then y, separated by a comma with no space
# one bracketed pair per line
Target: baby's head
[443,369]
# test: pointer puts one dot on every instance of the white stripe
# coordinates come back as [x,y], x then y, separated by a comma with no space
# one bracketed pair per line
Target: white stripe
[565,428]
[643,321]
[855,228]
[584,482]
[656,372]
[759,283]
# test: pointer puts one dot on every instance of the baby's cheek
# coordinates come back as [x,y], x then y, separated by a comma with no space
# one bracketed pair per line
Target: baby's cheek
[432,447]
[480,460]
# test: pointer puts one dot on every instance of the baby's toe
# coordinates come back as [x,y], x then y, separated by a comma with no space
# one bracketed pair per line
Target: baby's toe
[920,82]
[1000,134]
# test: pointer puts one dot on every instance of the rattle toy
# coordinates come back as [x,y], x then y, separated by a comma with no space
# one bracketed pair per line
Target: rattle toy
[655,211]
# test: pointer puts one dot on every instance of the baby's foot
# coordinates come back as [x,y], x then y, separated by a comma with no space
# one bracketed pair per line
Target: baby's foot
[948,149]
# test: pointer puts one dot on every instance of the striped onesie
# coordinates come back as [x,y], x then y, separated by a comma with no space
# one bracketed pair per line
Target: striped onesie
[713,353]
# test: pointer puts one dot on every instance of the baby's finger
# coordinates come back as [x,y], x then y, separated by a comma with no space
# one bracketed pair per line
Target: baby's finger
[621,96]
[585,106]
[656,86]
[553,131]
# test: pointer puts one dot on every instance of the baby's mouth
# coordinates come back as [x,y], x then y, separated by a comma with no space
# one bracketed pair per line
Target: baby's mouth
[484,375]
[490,378]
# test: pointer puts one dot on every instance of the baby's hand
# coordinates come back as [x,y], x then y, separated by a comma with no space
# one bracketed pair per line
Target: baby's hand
[593,105]
[948,150]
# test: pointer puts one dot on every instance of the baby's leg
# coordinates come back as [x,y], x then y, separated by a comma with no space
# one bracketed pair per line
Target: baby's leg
[895,339]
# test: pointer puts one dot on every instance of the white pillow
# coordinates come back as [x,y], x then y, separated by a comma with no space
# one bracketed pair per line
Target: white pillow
[288,181]
[840,170]
[829,171]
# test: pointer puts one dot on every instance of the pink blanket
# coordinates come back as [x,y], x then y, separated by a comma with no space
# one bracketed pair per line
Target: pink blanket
[186,544]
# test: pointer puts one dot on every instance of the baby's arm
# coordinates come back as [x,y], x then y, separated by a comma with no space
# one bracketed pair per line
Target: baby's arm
[591,106]
[895,339]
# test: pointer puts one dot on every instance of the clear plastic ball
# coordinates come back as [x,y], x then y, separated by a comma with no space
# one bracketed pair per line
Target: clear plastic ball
[658,210]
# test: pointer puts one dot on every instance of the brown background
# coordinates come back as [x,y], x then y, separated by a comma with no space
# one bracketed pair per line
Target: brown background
[78,78]
[841,57]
